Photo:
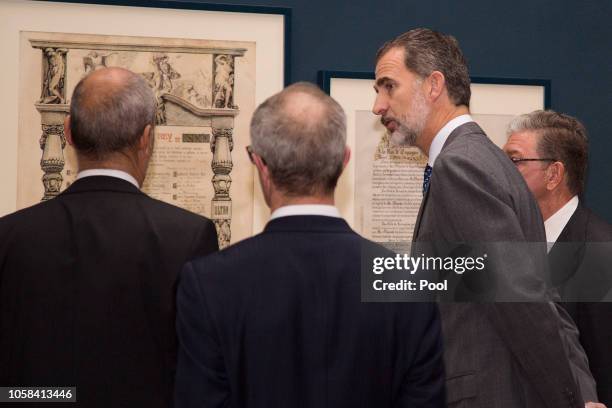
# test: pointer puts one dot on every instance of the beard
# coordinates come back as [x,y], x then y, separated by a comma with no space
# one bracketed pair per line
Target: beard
[411,125]
[404,136]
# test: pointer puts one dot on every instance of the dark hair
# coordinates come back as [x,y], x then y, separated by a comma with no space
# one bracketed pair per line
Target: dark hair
[301,134]
[107,120]
[426,51]
[561,137]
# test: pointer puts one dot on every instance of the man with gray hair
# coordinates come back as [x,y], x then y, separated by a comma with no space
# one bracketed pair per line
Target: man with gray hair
[497,354]
[550,150]
[277,320]
[87,279]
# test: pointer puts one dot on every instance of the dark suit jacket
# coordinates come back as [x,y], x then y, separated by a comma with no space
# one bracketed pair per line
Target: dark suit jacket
[503,355]
[571,258]
[87,292]
[277,321]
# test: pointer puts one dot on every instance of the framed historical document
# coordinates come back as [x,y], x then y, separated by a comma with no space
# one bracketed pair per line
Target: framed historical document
[208,65]
[380,191]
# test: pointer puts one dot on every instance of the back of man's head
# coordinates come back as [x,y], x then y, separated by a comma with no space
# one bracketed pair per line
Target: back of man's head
[426,51]
[561,137]
[300,133]
[109,111]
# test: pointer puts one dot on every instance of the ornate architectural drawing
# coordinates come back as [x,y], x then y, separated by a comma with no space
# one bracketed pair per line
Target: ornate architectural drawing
[194,87]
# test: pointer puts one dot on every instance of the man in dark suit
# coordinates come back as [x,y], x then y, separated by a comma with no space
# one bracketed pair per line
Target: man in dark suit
[88,279]
[505,355]
[276,320]
[551,152]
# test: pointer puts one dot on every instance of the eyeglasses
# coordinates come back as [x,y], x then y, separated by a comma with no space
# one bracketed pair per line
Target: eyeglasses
[250,152]
[516,160]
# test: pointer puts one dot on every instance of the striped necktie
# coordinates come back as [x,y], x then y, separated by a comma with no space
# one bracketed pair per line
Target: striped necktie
[426,178]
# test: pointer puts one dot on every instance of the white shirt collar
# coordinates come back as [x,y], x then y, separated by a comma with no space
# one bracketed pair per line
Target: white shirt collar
[438,141]
[110,173]
[306,209]
[556,222]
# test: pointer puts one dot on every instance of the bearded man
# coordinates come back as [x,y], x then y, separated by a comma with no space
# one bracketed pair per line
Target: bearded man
[503,355]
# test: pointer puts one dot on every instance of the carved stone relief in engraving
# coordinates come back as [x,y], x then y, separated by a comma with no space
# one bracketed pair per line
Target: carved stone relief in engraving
[54,76]
[95,60]
[224,82]
[166,79]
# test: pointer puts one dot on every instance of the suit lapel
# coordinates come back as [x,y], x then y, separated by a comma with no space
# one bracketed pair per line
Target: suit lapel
[469,127]
[417,224]
[575,229]
[566,254]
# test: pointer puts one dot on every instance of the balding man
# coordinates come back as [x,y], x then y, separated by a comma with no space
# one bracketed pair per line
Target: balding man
[87,280]
[277,320]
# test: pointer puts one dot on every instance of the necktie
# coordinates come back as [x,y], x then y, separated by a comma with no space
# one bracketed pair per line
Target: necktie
[426,178]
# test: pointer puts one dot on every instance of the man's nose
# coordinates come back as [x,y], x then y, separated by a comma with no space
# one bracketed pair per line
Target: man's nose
[380,105]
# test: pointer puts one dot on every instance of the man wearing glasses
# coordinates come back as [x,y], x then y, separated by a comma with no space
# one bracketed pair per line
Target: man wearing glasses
[551,152]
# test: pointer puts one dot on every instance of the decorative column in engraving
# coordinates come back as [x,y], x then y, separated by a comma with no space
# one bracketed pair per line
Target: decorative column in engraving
[53,109]
[221,209]
[52,143]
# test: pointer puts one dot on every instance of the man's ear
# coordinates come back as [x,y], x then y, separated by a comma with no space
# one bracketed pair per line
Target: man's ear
[347,157]
[262,168]
[437,83]
[67,131]
[145,143]
[555,175]
[264,175]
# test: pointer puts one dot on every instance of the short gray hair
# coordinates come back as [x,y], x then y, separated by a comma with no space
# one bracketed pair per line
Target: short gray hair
[561,137]
[426,51]
[108,120]
[300,133]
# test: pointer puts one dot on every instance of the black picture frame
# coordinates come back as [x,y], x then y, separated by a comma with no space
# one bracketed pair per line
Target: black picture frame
[286,12]
[324,77]
[545,83]
[324,81]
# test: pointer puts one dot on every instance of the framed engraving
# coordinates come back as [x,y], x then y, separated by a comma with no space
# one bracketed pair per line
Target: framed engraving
[380,191]
[208,65]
